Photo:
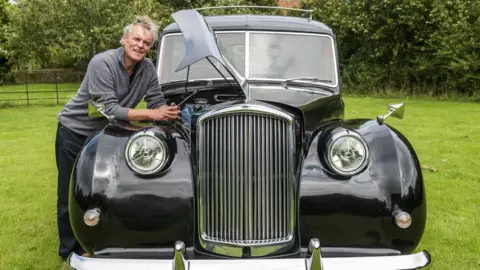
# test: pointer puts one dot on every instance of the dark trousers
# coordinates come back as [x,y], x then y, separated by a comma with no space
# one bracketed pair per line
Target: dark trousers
[67,146]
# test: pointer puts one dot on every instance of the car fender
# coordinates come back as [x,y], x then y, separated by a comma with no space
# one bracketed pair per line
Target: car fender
[156,210]
[359,209]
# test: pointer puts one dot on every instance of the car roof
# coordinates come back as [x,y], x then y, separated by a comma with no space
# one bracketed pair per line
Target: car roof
[260,23]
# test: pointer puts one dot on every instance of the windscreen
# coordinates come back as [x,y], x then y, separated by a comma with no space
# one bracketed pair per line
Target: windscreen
[268,56]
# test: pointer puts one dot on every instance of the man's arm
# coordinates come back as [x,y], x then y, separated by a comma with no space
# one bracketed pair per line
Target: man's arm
[155,100]
[163,113]
[101,88]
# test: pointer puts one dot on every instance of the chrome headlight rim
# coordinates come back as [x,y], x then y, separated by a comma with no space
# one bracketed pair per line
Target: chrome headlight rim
[331,143]
[157,137]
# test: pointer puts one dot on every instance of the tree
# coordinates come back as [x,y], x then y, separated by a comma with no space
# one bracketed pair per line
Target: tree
[414,44]
[4,19]
[67,33]
[455,46]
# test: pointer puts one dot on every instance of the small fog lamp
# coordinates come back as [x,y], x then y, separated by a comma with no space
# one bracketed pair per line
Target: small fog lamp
[92,217]
[403,220]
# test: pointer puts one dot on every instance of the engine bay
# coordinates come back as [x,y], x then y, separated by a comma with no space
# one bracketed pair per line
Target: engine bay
[195,99]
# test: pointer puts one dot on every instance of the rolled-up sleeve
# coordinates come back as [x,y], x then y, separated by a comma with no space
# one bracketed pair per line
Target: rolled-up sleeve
[101,88]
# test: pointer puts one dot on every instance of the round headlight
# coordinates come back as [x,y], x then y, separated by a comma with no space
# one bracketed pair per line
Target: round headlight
[146,153]
[347,153]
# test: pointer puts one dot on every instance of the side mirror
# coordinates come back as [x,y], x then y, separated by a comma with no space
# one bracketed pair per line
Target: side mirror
[394,110]
[96,109]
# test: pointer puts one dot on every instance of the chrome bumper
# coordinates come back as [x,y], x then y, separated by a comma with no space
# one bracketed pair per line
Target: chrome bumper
[313,262]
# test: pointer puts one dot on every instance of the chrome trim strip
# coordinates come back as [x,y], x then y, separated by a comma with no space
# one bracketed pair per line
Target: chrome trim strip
[255,108]
[247,62]
[247,54]
[224,234]
[413,261]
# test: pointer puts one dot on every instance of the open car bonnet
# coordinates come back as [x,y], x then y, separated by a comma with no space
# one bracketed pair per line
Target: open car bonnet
[200,43]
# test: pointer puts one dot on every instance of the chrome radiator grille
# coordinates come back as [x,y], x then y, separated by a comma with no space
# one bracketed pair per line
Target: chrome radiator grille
[246,178]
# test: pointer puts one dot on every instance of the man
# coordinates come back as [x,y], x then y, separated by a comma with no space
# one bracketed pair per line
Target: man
[119,79]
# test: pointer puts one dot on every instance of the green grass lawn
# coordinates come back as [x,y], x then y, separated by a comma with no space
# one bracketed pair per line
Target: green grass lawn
[446,136]
[12,95]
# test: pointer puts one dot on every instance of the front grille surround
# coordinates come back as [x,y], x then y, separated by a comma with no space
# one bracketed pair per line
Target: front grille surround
[253,170]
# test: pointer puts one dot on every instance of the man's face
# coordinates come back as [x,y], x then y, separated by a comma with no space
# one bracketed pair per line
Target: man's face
[137,43]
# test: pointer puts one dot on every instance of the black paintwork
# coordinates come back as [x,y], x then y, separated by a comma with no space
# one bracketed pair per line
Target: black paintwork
[359,210]
[351,212]
[144,211]
[144,216]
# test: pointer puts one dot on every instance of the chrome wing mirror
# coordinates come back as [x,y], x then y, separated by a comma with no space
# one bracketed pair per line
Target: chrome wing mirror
[394,110]
[96,109]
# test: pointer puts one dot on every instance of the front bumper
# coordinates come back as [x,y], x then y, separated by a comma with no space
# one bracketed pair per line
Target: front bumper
[313,262]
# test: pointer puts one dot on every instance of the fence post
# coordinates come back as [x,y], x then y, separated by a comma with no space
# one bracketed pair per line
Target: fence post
[26,86]
[56,85]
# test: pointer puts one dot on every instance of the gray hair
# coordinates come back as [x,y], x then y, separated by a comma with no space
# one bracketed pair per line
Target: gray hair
[146,23]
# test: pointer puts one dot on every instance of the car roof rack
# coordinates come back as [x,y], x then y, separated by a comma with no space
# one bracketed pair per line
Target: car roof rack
[305,11]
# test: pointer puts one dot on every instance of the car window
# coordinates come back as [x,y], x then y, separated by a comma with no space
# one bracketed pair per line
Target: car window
[281,56]
[173,49]
[270,56]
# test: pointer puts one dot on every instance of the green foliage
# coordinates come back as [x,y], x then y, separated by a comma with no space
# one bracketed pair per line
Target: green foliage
[67,33]
[4,19]
[414,46]
[456,44]
[431,45]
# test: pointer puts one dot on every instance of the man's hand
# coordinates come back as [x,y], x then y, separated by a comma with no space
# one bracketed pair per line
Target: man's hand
[165,113]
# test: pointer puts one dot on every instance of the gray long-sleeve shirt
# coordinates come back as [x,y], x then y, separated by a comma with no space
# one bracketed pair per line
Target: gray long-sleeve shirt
[108,82]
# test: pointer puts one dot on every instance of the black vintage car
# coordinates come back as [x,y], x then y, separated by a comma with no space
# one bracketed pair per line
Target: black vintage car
[262,172]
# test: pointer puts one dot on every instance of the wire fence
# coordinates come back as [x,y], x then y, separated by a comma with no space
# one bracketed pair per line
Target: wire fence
[39,87]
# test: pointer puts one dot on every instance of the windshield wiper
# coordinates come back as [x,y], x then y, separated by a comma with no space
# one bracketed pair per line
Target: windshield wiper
[312,79]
